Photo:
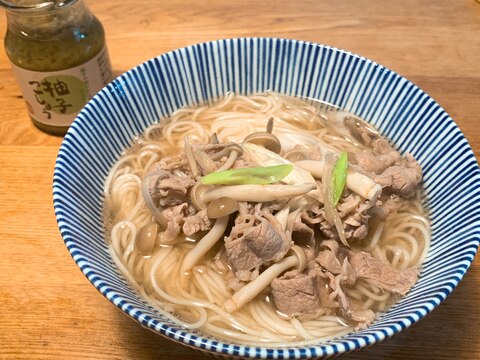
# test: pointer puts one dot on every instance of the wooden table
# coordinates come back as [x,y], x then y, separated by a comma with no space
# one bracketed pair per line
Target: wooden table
[48,309]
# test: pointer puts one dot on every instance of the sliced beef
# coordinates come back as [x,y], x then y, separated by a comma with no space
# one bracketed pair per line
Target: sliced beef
[171,163]
[204,162]
[328,257]
[296,294]
[167,189]
[254,241]
[396,174]
[250,208]
[391,203]
[402,180]
[347,308]
[197,222]
[175,216]
[245,208]
[363,317]
[320,289]
[376,164]
[381,146]
[354,212]
[302,234]
[313,215]
[241,162]
[387,204]
[349,204]
[328,230]
[383,275]
[333,259]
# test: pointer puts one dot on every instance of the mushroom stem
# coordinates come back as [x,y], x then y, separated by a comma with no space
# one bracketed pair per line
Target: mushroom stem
[206,164]
[255,287]
[214,139]
[257,193]
[147,197]
[205,244]
[226,151]
[270,125]
[358,183]
[265,157]
[230,161]
[190,158]
[282,216]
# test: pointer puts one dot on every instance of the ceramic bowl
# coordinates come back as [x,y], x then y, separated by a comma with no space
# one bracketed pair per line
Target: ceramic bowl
[153,90]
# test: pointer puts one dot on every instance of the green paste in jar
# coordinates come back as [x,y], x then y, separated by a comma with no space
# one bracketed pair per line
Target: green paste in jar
[54,40]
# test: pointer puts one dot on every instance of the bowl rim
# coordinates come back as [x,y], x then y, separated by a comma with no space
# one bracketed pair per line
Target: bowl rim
[231,349]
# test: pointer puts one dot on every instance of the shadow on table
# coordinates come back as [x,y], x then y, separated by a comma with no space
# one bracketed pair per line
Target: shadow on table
[450,331]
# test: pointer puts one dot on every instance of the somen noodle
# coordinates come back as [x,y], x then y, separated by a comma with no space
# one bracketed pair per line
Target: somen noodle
[196,279]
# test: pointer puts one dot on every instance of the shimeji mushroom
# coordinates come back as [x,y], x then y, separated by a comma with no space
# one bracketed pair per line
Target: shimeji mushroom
[147,197]
[197,195]
[233,150]
[192,163]
[351,128]
[200,160]
[214,139]
[256,193]
[265,139]
[357,182]
[206,164]
[201,195]
[205,244]
[146,237]
[227,150]
[219,209]
[298,259]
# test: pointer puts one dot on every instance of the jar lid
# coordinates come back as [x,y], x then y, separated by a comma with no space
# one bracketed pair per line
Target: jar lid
[34,5]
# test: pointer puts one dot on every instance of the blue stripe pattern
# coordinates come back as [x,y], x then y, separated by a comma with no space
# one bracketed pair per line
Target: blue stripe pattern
[154,89]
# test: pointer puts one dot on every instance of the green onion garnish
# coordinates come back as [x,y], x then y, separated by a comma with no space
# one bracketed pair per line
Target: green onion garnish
[260,175]
[339,177]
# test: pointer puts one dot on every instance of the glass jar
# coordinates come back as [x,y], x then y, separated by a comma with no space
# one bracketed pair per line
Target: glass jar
[58,54]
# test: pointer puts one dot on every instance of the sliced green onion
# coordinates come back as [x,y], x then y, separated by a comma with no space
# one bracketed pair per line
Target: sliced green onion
[260,175]
[339,178]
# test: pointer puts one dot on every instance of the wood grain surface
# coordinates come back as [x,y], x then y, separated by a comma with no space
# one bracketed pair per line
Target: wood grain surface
[49,310]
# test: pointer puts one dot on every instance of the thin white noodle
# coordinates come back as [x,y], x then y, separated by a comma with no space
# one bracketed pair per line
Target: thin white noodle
[403,239]
[301,330]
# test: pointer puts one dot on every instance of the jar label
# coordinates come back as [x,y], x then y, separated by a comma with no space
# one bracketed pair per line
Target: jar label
[55,97]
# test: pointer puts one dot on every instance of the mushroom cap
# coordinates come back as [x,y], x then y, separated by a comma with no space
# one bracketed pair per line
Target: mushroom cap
[145,239]
[221,207]
[235,147]
[227,150]
[302,257]
[295,154]
[265,139]
[196,195]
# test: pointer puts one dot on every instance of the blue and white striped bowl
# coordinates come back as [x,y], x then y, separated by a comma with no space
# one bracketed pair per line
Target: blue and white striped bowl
[154,89]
